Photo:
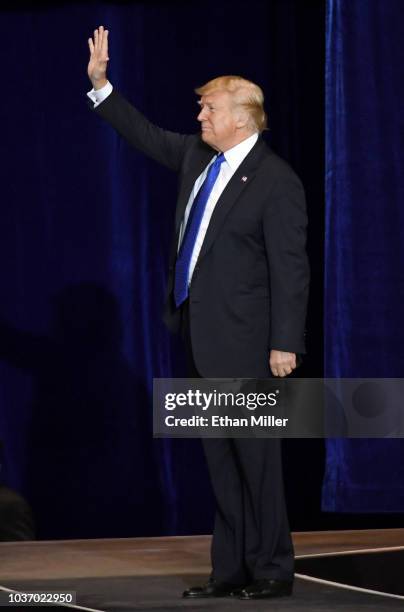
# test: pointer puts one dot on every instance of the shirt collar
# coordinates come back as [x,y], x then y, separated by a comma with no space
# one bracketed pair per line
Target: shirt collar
[236,155]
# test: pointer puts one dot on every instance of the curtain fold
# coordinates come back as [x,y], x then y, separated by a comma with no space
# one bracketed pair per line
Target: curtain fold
[84,240]
[364,252]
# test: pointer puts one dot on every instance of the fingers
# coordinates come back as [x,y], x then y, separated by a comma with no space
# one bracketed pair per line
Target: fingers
[281,372]
[104,48]
[100,44]
[282,363]
[98,36]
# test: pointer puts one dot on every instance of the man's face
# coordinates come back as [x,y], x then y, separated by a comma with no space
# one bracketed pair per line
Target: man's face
[218,120]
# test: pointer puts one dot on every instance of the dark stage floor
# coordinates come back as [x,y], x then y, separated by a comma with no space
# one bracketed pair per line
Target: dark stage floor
[150,574]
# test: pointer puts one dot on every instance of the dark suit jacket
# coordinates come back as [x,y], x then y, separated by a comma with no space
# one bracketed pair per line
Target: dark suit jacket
[249,289]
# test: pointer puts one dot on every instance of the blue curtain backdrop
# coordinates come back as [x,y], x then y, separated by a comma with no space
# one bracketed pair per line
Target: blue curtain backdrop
[84,232]
[364,280]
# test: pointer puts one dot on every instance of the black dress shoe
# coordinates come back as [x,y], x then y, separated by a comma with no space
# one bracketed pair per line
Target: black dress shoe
[213,589]
[266,588]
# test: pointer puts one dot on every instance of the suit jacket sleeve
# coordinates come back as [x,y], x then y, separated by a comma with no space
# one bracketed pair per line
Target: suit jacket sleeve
[167,148]
[285,222]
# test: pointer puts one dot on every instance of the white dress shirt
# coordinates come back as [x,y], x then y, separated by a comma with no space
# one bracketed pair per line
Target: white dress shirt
[99,95]
[233,159]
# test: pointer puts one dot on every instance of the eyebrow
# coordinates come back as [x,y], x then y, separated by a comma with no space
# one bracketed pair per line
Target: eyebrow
[205,103]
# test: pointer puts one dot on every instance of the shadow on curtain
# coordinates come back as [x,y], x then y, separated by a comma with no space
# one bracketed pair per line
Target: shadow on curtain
[84,240]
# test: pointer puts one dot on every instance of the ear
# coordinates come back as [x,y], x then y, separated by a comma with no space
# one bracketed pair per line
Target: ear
[242,119]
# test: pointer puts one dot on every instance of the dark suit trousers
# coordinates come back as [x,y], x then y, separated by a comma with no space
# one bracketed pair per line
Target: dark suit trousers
[251,537]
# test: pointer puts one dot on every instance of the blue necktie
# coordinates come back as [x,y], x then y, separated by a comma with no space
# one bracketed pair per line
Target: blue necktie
[191,231]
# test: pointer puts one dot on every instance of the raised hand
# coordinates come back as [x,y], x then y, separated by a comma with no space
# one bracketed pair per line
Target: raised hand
[97,66]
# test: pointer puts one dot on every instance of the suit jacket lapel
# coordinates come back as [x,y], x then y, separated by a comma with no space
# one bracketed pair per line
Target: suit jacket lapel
[239,181]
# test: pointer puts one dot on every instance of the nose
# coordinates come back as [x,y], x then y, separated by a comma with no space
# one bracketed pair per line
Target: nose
[202,115]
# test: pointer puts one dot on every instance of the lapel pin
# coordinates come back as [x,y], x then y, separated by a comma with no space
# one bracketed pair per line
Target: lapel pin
[244,178]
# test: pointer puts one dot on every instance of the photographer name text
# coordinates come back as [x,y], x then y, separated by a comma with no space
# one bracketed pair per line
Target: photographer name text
[225,421]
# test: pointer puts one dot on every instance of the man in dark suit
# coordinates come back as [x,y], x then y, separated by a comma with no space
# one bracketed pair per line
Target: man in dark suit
[237,289]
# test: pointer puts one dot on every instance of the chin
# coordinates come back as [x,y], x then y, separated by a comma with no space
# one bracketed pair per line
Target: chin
[205,137]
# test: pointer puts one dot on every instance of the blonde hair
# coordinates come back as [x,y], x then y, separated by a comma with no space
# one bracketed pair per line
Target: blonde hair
[245,93]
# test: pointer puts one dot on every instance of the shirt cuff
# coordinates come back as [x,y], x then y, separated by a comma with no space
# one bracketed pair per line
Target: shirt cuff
[99,95]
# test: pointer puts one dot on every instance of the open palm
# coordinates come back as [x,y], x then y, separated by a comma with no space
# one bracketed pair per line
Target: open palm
[97,66]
